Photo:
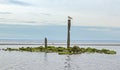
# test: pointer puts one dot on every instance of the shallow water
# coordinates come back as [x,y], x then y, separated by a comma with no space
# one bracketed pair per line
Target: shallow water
[52,61]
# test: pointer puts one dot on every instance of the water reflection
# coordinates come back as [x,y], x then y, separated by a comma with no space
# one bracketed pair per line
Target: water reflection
[45,57]
[68,63]
[45,61]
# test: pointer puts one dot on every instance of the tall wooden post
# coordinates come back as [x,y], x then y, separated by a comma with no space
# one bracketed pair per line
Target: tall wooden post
[45,43]
[68,35]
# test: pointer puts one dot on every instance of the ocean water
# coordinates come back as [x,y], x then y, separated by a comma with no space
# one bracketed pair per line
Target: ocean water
[16,60]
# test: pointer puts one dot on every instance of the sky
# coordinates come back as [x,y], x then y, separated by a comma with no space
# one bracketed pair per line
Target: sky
[36,19]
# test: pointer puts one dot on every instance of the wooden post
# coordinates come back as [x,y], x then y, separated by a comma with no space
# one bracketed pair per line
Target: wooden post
[45,43]
[68,35]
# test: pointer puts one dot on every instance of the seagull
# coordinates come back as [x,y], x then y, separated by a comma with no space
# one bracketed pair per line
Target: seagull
[69,17]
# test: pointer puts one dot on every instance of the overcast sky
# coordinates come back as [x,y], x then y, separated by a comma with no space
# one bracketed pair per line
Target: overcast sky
[85,13]
[47,12]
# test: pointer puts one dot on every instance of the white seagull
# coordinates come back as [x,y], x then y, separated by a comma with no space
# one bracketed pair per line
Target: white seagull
[69,17]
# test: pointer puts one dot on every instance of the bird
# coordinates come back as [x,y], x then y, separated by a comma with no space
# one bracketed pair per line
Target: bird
[69,17]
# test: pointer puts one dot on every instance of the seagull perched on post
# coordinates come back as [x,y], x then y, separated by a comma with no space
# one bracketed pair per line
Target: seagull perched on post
[69,17]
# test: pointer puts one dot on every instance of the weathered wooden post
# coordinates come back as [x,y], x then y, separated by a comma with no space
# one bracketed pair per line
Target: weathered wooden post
[45,43]
[68,35]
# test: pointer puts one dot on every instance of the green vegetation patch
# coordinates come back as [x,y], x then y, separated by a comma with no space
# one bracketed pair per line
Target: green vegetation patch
[62,50]
[63,53]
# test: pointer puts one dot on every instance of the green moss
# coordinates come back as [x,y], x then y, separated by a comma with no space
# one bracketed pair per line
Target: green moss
[10,49]
[75,49]
[62,50]
[64,53]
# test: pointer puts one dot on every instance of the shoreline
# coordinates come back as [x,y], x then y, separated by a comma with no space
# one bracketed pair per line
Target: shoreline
[88,44]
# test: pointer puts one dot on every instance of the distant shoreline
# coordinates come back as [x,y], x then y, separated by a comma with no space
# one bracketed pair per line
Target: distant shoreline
[88,44]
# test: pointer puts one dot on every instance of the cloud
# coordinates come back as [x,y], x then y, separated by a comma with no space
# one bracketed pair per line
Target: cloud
[5,13]
[45,12]
[100,29]
[15,2]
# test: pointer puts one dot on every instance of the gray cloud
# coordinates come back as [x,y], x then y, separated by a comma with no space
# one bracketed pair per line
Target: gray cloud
[28,21]
[16,2]
[5,13]
[2,18]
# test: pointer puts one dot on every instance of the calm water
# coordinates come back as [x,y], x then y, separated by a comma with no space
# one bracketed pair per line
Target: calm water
[53,61]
